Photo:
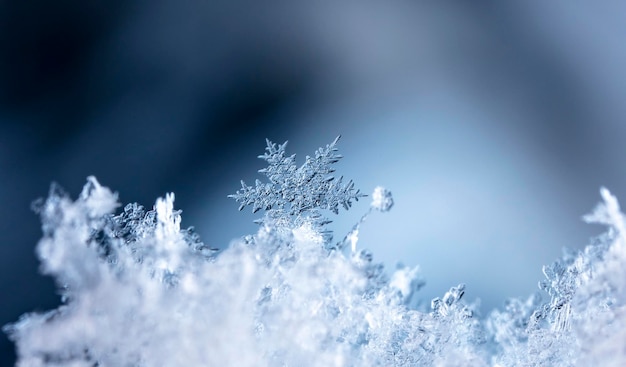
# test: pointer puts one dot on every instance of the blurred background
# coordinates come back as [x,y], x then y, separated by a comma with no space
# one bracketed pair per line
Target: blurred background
[493,123]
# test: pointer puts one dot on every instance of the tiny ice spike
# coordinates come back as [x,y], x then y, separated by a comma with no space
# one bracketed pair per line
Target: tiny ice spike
[140,291]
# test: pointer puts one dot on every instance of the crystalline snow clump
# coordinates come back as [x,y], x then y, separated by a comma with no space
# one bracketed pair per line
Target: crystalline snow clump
[381,199]
[138,290]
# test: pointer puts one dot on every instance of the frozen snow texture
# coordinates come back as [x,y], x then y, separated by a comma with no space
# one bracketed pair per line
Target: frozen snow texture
[583,323]
[140,291]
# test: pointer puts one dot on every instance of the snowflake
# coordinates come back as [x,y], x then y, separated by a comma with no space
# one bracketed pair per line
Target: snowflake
[297,195]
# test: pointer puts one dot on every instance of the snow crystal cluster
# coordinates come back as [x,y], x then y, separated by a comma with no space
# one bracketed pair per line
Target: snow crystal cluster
[139,290]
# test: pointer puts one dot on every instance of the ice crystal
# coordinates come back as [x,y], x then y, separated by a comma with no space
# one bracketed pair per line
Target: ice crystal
[138,290]
[582,323]
[298,194]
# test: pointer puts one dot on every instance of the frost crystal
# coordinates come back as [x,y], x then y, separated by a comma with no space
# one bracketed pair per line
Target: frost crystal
[296,195]
[140,291]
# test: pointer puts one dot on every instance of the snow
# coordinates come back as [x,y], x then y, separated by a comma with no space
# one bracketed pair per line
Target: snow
[140,291]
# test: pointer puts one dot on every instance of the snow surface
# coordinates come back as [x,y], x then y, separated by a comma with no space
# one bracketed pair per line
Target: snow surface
[140,291]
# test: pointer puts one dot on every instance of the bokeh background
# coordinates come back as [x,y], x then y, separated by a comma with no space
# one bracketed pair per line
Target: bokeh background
[493,123]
